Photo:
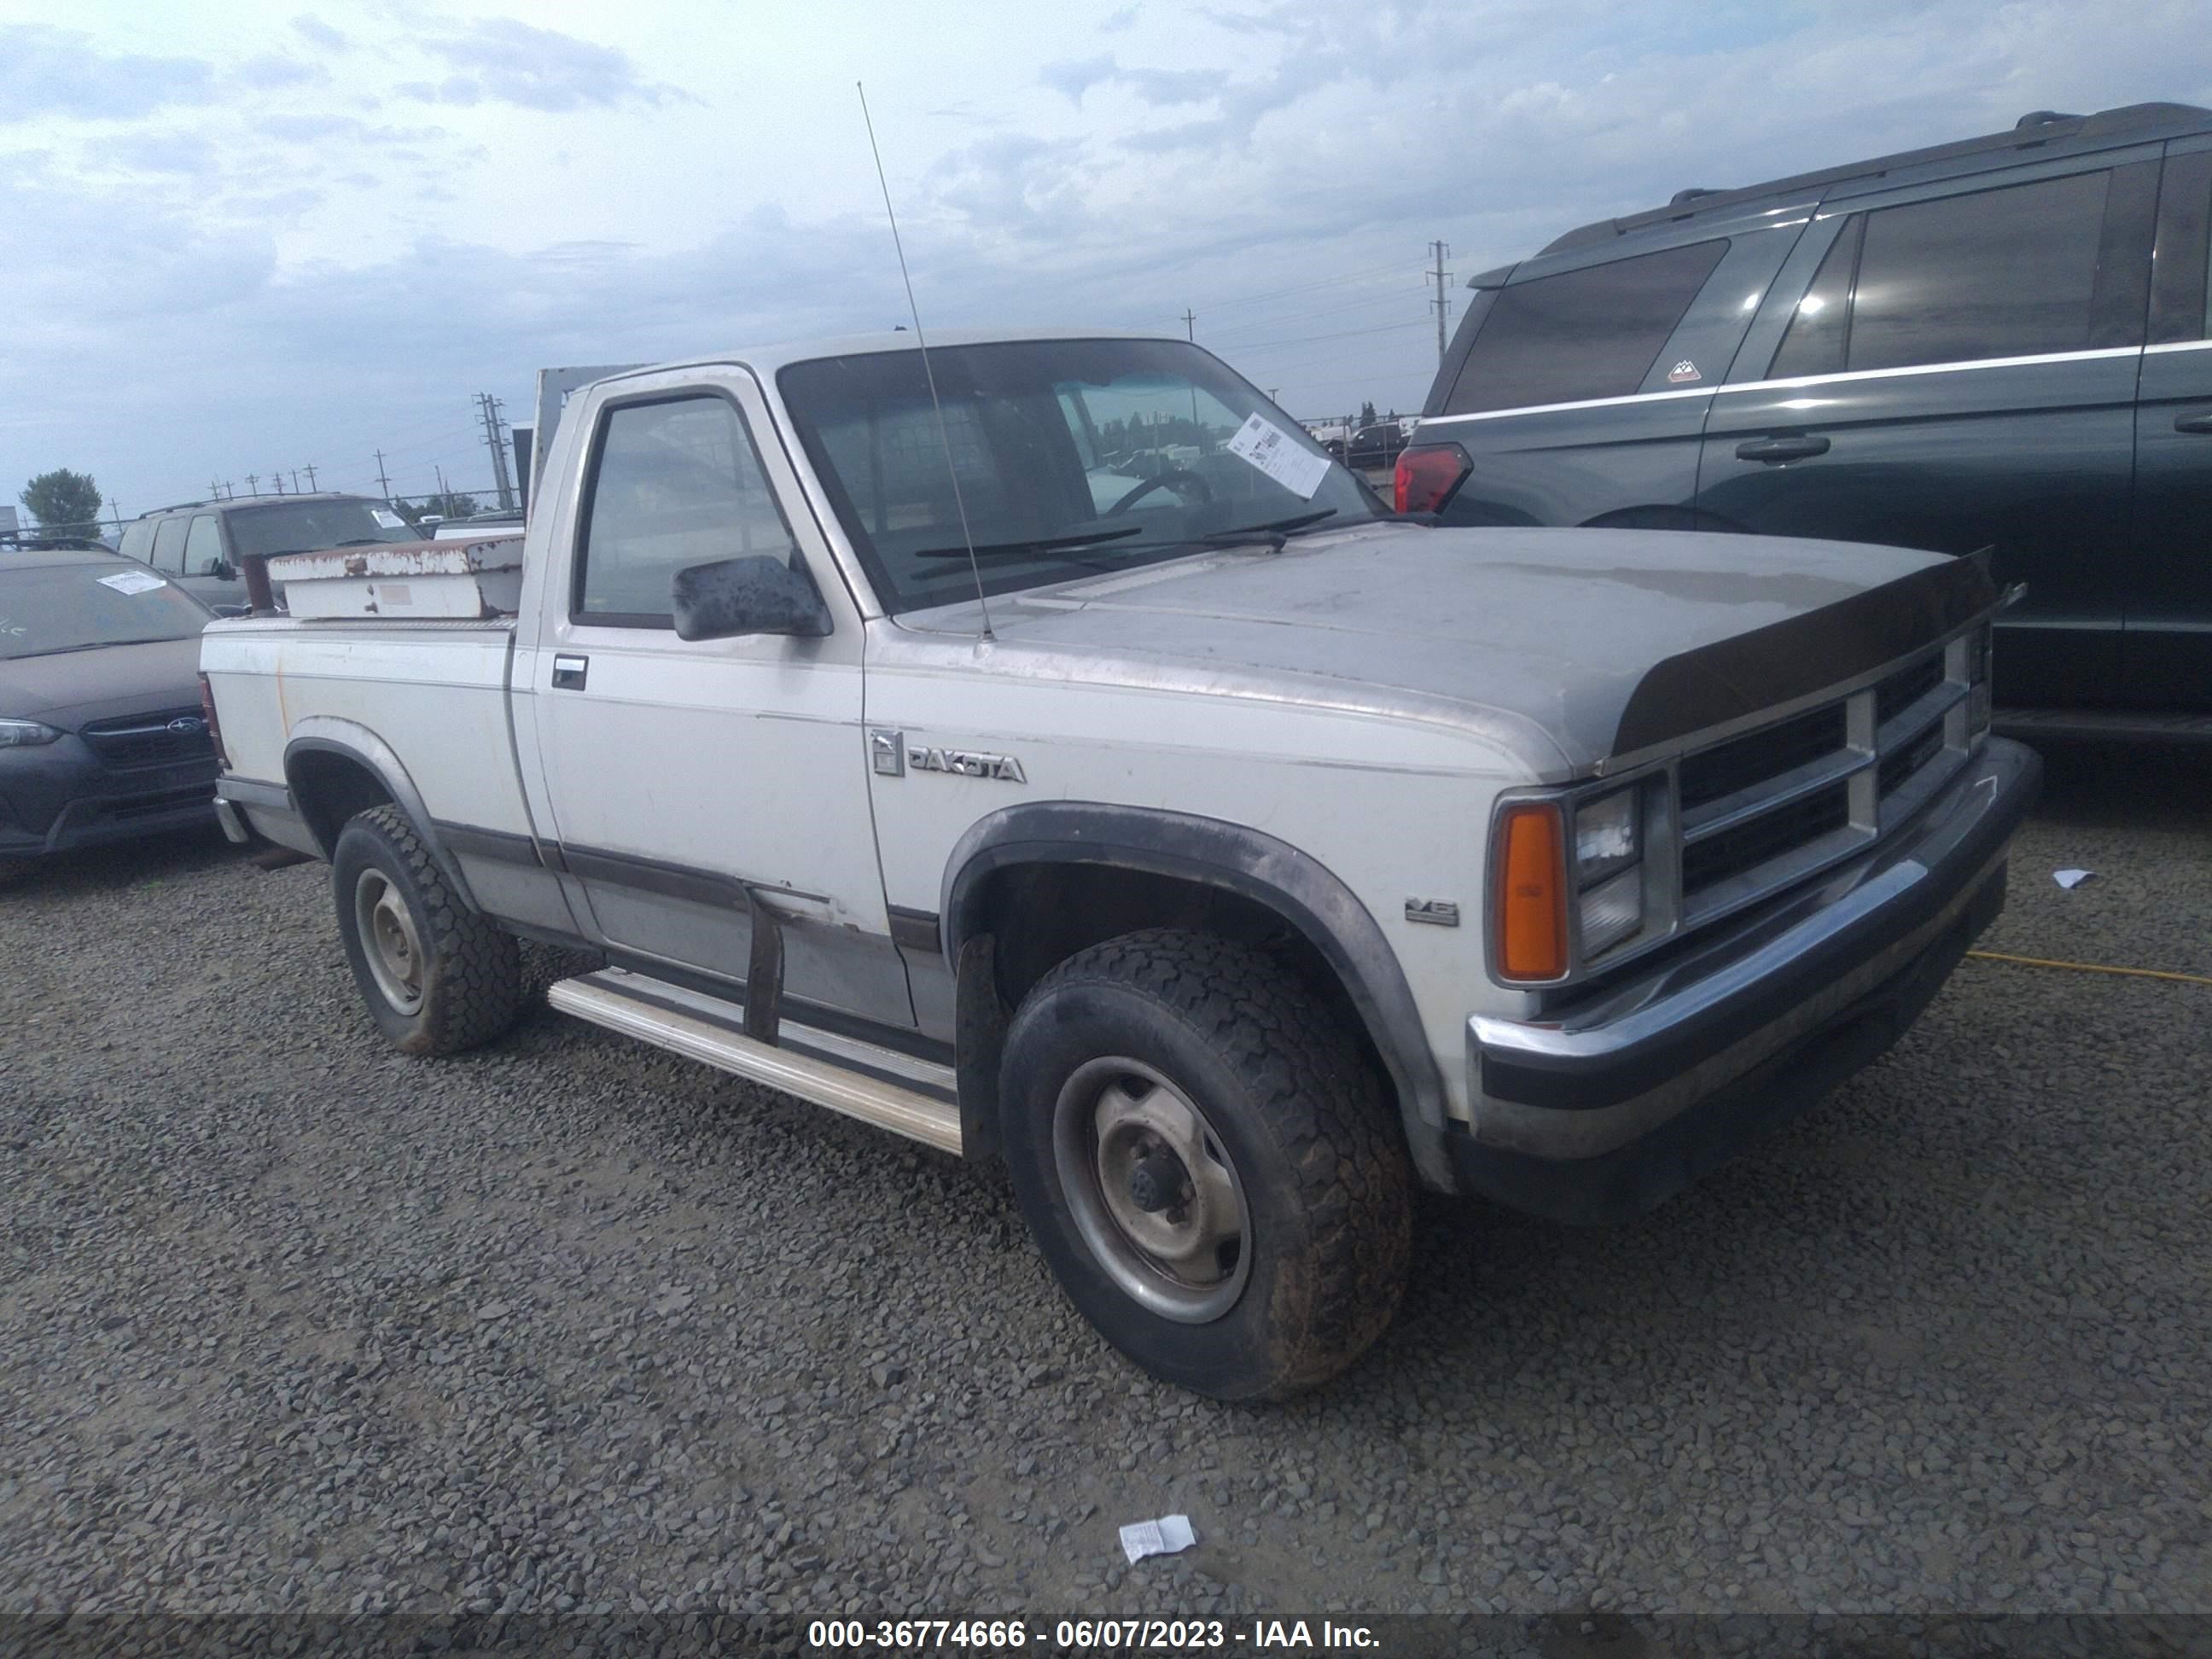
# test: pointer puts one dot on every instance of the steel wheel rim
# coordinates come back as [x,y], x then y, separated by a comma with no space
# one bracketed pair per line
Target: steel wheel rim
[389,942]
[1186,1260]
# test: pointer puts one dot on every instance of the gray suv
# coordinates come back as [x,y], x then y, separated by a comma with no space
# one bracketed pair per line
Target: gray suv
[198,544]
[2000,343]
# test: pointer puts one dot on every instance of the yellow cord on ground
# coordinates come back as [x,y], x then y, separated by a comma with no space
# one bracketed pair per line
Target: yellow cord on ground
[2092,968]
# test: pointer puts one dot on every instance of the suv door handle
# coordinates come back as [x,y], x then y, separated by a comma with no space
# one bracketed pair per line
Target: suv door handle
[568,672]
[1780,449]
[2193,423]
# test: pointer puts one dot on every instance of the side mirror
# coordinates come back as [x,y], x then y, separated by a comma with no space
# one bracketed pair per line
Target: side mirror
[756,594]
[221,571]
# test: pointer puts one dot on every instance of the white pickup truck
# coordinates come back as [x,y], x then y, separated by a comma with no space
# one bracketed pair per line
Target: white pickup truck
[1227,852]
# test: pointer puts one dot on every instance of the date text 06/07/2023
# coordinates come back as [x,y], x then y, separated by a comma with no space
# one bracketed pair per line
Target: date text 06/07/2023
[1084,1635]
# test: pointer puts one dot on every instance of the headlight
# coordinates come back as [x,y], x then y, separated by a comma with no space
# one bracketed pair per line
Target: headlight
[1588,870]
[1606,833]
[1608,872]
[25,734]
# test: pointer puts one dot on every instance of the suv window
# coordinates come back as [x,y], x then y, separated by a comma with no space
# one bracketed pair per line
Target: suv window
[2180,305]
[2010,272]
[1588,333]
[138,541]
[676,483]
[204,547]
[169,547]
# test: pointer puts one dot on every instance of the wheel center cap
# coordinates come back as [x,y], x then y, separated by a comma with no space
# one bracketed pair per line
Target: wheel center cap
[1158,1181]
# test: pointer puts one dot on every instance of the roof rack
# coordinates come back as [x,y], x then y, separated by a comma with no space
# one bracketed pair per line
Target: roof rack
[2037,127]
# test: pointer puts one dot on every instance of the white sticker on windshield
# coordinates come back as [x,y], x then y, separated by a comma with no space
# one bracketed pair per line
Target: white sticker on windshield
[133,581]
[1268,446]
[388,520]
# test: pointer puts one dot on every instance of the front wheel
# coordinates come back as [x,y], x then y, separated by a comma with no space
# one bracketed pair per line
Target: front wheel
[437,976]
[1206,1164]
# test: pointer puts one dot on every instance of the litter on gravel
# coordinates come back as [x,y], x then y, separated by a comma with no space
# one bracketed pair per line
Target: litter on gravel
[1169,1535]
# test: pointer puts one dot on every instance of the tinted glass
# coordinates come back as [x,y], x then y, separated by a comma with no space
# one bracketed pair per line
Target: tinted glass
[1122,444]
[204,547]
[2001,273]
[310,527]
[169,546]
[72,607]
[1588,333]
[676,483]
[1814,341]
[2180,308]
[138,540]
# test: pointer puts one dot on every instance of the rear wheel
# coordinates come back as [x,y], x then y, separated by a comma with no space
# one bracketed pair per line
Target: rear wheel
[1206,1164]
[437,976]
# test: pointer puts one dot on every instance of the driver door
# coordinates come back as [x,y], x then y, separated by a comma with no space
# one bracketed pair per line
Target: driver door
[690,780]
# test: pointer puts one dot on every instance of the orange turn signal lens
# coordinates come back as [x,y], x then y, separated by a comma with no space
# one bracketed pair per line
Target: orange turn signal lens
[1532,894]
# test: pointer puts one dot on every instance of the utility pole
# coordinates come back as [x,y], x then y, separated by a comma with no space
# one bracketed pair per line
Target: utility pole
[487,408]
[310,472]
[1443,302]
[295,481]
[1189,324]
[215,491]
[254,483]
[383,483]
[442,491]
[277,480]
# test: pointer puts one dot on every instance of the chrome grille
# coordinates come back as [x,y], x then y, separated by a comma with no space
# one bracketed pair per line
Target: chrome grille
[1766,809]
[175,734]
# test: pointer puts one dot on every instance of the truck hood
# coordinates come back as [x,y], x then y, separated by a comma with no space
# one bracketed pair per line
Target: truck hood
[1594,644]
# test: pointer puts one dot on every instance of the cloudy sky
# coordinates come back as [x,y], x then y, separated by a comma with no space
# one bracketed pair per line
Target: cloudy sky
[247,237]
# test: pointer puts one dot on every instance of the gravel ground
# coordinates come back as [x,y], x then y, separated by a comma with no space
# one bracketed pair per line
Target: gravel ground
[288,1322]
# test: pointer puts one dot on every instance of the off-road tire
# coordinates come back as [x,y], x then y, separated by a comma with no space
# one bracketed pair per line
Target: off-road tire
[470,972]
[1319,1157]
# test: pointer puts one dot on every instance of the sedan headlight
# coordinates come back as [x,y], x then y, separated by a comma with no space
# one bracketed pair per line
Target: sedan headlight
[25,734]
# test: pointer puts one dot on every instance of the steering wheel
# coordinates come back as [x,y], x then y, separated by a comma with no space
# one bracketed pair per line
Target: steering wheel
[1175,478]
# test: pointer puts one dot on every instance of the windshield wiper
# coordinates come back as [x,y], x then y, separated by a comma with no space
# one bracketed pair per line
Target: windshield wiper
[1273,532]
[1039,544]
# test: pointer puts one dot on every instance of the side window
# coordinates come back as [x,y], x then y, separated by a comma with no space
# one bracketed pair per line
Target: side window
[204,547]
[138,541]
[1588,333]
[2001,273]
[1814,341]
[2180,308]
[675,483]
[169,547]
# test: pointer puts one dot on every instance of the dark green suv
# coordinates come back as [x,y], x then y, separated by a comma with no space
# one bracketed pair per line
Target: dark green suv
[199,545]
[2000,343]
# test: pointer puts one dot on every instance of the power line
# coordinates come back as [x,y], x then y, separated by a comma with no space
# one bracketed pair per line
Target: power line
[1443,302]
[487,408]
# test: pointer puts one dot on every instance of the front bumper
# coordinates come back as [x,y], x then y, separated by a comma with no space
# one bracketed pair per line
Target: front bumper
[1622,1101]
[57,797]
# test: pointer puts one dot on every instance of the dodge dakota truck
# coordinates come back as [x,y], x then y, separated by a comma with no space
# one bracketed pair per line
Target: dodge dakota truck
[1043,749]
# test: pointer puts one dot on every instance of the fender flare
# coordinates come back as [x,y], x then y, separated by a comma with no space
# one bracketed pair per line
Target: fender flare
[1251,864]
[330,735]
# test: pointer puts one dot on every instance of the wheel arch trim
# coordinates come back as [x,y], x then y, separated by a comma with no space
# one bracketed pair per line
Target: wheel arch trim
[328,734]
[1251,864]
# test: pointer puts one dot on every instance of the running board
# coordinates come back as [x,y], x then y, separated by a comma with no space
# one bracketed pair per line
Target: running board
[894,1091]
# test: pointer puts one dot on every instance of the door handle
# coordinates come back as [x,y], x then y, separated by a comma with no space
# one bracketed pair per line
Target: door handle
[2193,423]
[1795,449]
[568,672]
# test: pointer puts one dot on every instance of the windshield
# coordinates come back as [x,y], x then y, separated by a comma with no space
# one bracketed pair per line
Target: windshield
[1071,456]
[310,527]
[71,607]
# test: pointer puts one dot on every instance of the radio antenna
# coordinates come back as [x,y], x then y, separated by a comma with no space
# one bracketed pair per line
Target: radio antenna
[921,341]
